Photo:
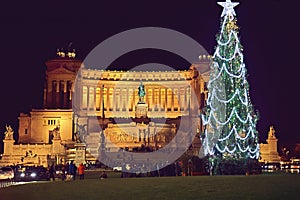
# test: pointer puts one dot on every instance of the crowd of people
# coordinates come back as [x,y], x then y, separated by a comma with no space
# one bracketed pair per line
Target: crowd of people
[69,171]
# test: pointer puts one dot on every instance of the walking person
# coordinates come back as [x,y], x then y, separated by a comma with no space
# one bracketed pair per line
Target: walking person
[63,172]
[52,172]
[81,169]
[72,170]
[103,175]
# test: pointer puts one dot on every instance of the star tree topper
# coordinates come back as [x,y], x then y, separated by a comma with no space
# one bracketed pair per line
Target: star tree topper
[228,7]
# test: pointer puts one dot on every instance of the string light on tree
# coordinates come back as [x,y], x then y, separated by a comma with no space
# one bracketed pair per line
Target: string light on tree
[229,117]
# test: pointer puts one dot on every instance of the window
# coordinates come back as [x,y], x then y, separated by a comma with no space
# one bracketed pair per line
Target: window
[51,121]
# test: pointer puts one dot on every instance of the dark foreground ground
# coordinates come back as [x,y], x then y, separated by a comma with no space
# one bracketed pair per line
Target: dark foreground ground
[266,186]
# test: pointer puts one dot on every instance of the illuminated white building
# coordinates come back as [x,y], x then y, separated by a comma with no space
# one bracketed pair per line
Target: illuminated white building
[103,99]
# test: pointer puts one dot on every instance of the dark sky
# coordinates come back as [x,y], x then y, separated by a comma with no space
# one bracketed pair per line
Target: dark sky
[269,32]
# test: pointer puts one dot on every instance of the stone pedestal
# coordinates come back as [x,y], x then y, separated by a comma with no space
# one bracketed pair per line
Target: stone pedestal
[80,153]
[269,152]
[8,146]
[56,146]
[141,110]
[273,153]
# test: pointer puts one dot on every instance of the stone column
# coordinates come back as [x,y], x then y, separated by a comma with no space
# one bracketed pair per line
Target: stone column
[95,96]
[57,104]
[153,102]
[188,99]
[70,90]
[101,99]
[172,100]
[57,86]
[49,94]
[91,98]
[107,99]
[180,103]
[133,99]
[185,99]
[122,99]
[166,99]
[65,96]
[81,97]
[127,105]
[159,99]
[146,97]
[178,100]
[68,94]
[115,100]
[88,97]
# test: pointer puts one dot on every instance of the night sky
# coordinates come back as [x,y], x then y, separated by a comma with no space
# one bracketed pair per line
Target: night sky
[269,32]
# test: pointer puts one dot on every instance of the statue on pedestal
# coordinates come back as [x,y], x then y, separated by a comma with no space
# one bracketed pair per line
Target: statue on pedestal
[8,133]
[56,133]
[271,132]
[141,92]
[141,107]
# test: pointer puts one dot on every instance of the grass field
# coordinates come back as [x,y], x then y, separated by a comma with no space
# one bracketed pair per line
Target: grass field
[275,186]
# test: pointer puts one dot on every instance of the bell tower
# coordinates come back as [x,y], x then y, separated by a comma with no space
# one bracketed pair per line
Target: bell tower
[59,82]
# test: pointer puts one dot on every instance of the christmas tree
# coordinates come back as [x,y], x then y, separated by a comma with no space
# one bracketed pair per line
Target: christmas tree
[230,136]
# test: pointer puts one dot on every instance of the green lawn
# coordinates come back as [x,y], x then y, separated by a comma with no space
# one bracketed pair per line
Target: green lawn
[276,186]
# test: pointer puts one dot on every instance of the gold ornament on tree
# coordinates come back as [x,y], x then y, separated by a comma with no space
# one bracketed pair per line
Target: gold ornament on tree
[231,25]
